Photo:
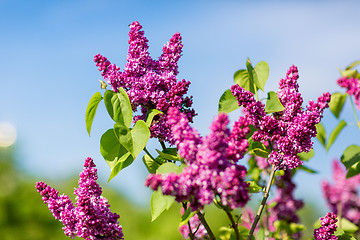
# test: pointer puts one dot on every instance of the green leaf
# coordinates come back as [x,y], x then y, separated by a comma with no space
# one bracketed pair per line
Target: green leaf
[306,169]
[273,103]
[321,135]
[91,110]
[335,133]
[254,187]
[352,65]
[150,164]
[115,154]
[150,116]
[305,156]
[252,75]
[228,102]
[262,72]
[169,155]
[348,73]
[342,235]
[124,161]
[347,226]
[169,167]
[186,216]
[118,106]
[242,78]
[135,139]
[351,160]
[159,203]
[337,102]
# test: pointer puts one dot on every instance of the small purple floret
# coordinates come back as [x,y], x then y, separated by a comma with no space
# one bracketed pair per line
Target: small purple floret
[328,228]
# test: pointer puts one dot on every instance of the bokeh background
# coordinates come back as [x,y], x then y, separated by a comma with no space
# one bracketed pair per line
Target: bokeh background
[47,77]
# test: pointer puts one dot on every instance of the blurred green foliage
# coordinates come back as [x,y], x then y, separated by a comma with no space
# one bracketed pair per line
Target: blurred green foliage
[23,215]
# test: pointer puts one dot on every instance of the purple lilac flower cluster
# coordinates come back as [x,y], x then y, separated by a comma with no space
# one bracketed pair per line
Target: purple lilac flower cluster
[196,227]
[291,129]
[343,194]
[150,84]
[328,228]
[353,88]
[211,169]
[286,206]
[92,218]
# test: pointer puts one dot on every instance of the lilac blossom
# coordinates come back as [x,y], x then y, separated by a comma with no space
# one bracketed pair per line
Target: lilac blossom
[342,196]
[92,217]
[150,84]
[291,129]
[197,228]
[353,88]
[286,205]
[212,170]
[328,228]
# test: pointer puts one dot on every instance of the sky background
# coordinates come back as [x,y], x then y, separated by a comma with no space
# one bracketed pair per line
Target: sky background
[48,75]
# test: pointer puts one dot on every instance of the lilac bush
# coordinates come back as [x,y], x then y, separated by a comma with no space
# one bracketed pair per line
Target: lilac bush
[266,146]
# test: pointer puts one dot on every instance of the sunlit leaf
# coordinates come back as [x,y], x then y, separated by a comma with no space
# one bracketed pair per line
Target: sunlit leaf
[228,102]
[150,116]
[273,103]
[262,72]
[305,156]
[337,102]
[91,110]
[242,78]
[321,135]
[351,160]
[335,133]
[118,106]
[159,203]
[186,216]
[115,154]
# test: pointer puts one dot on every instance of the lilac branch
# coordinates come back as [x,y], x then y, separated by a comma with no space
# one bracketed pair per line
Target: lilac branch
[263,202]
[206,225]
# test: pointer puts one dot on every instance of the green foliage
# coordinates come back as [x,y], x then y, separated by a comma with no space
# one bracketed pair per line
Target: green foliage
[115,154]
[150,116]
[186,216]
[91,110]
[321,134]
[159,203]
[334,134]
[337,103]
[273,103]
[251,78]
[152,164]
[351,160]
[118,106]
[228,102]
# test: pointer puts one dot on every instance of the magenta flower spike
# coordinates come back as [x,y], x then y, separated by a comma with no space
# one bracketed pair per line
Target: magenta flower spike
[352,86]
[328,228]
[212,169]
[290,130]
[92,217]
[150,84]
[343,194]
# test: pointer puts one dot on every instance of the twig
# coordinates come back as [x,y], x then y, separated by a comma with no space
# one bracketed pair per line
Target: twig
[148,153]
[207,227]
[263,202]
[163,145]
[233,224]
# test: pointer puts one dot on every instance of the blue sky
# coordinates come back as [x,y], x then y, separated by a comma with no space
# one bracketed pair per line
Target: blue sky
[47,72]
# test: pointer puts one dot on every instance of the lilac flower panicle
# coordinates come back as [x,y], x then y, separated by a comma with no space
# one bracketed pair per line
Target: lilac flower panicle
[291,129]
[343,194]
[150,84]
[353,88]
[92,217]
[211,170]
[328,228]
